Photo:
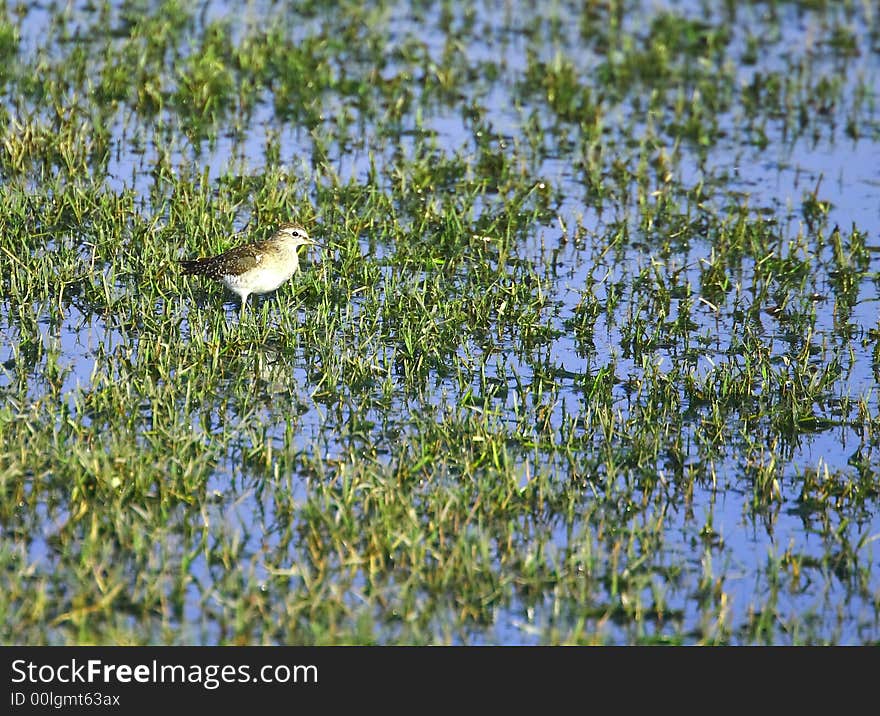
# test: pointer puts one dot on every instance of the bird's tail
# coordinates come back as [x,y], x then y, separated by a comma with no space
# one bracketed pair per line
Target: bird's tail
[192,266]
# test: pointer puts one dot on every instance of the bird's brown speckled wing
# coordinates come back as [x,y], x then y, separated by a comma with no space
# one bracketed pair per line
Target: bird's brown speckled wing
[230,263]
[242,258]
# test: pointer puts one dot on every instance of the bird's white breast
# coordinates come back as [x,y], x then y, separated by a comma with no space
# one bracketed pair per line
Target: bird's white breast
[266,276]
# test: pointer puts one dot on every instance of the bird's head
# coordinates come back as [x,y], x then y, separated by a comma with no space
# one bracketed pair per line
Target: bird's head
[295,235]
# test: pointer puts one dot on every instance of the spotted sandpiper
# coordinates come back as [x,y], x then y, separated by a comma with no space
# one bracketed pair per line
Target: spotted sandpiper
[259,267]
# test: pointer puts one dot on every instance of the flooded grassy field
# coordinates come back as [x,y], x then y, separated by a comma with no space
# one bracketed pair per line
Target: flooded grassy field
[590,354]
